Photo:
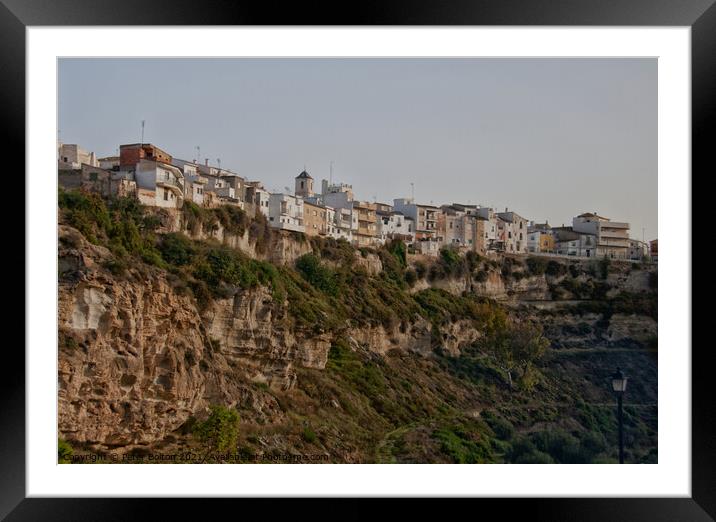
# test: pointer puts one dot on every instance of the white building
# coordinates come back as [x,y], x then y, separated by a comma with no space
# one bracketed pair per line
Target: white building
[72,156]
[256,198]
[194,183]
[513,231]
[425,217]
[395,225]
[539,237]
[159,184]
[612,237]
[638,250]
[346,223]
[568,242]
[109,163]
[335,188]
[286,212]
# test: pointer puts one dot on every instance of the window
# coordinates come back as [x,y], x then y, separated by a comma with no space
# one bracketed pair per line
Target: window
[166,194]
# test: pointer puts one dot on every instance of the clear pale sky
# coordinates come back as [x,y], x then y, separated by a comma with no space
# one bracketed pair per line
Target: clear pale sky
[548,138]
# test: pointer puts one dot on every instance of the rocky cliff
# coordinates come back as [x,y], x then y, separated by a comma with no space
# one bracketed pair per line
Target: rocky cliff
[137,357]
[140,357]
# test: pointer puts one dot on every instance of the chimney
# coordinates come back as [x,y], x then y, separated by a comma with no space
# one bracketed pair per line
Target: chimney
[206,162]
[505,209]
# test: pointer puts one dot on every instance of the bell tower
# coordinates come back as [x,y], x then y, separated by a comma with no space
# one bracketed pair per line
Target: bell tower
[304,185]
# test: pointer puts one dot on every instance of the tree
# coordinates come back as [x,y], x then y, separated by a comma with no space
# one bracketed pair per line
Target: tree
[515,346]
[529,345]
[220,431]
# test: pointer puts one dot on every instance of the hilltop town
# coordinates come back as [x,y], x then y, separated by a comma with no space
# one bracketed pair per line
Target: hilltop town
[157,179]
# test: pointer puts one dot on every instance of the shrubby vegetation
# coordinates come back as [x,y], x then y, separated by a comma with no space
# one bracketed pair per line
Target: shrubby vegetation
[516,347]
[64,451]
[122,225]
[219,432]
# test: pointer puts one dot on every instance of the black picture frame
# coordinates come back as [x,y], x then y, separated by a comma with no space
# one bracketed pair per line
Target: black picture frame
[699,15]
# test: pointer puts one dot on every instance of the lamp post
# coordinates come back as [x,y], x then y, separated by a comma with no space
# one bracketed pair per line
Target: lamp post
[619,383]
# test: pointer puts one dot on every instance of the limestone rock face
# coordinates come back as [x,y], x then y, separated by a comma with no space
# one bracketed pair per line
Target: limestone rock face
[418,337]
[370,262]
[252,337]
[137,358]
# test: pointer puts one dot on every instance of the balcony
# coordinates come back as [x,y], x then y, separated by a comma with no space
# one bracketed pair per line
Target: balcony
[614,224]
[614,234]
[173,185]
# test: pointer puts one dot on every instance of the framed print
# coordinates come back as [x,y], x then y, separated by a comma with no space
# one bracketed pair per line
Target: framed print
[403,246]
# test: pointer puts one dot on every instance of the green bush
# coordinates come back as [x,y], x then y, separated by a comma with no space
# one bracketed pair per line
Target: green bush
[64,451]
[177,249]
[560,445]
[504,430]
[555,268]
[420,269]
[220,431]
[464,446]
[309,435]
[536,265]
[321,277]
[472,259]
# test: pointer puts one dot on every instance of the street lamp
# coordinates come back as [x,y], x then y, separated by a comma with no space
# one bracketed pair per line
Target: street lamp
[619,383]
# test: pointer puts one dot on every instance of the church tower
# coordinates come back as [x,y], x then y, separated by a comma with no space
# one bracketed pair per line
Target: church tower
[304,185]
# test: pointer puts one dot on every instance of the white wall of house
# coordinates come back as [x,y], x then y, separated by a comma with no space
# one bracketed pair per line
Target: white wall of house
[73,156]
[166,181]
[533,241]
[394,225]
[108,163]
[337,200]
[346,222]
[262,201]
[516,233]
[286,212]
[612,237]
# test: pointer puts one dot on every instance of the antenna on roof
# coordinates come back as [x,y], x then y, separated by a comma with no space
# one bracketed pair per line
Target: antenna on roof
[412,191]
[142,142]
[198,154]
[218,162]
[330,175]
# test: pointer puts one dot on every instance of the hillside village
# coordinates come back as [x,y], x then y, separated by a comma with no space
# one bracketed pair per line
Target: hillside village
[158,179]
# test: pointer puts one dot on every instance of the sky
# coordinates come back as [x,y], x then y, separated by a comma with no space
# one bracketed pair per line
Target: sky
[549,138]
